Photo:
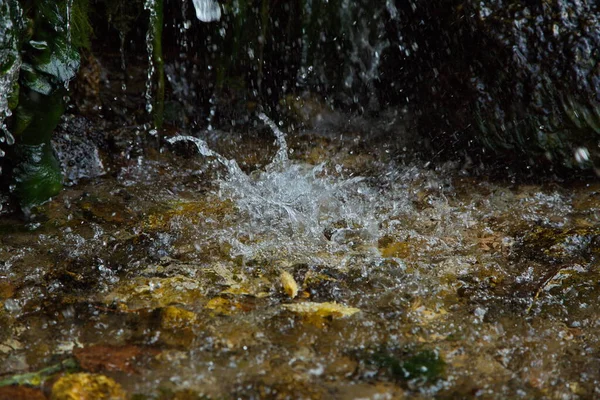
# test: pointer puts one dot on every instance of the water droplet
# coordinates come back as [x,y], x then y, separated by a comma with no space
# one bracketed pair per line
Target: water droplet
[582,155]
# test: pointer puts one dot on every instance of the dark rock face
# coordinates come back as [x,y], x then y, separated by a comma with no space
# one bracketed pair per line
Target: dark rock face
[519,78]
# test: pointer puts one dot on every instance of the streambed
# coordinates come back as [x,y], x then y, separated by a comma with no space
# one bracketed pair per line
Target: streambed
[340,268]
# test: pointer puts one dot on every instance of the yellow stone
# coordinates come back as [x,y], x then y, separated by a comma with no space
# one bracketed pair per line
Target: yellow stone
[289,284]
[327,309]
[83,386]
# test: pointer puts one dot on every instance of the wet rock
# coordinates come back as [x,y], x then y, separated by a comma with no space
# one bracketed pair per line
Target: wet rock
[342,367]
[87,85]
[236,335]
[7,289]
[519,79]
[175,318]
[76,144]
[322,283]
[224,306]
[104,358]
[83,386]
[101,210]
[308,110]
[195,212]
[376,390]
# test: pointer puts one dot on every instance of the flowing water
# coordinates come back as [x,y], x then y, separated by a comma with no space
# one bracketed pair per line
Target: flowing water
[151,6]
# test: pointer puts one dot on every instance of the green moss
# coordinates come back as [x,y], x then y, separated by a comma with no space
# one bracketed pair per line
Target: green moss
[38,377]
[81,30]
[37,177]
[425,366]
[420,367]
[36,174]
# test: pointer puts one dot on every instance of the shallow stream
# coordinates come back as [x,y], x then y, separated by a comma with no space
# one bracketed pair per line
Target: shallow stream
[320,264]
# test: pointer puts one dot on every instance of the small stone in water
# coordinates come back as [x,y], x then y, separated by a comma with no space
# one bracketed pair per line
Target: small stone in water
[289,284]
[327,309]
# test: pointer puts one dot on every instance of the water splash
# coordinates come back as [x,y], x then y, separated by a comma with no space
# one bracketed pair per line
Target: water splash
[207,10]
[291,210]
[183,28]
[281,158]
[232,166]
[7,82]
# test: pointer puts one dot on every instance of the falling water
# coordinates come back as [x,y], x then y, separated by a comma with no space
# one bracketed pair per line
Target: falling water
[150,5]
[183,28]
[69,13]
[9,78]
[304,67]
[7,82]
[367,38]
[207,10]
